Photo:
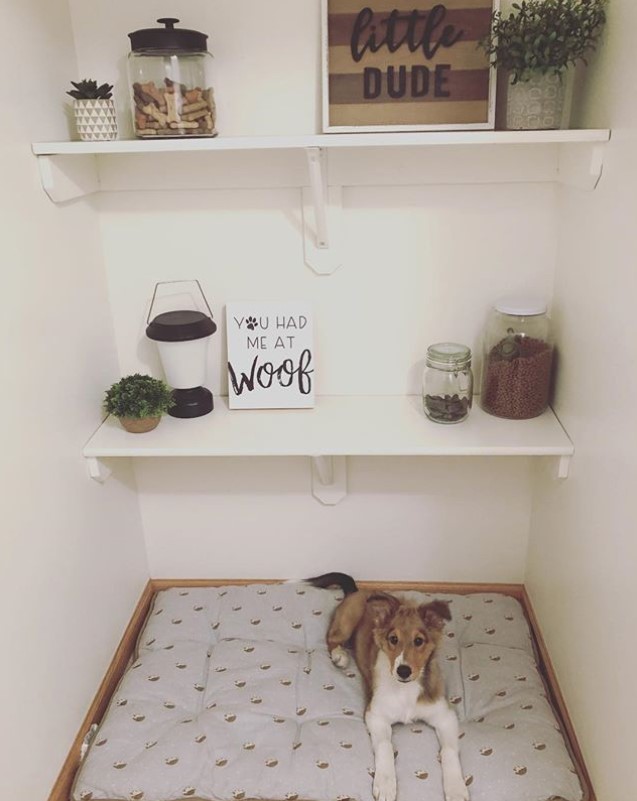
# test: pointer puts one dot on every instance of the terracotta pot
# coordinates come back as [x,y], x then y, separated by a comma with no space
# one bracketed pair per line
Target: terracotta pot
[139,426]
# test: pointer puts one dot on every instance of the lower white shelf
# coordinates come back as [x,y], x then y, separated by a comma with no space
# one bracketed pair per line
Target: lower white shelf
[338,426]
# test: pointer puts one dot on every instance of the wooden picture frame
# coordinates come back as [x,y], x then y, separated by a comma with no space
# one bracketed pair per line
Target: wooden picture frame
[372,85]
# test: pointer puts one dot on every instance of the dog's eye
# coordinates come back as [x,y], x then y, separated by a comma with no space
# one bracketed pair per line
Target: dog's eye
[419,641]
[393,640]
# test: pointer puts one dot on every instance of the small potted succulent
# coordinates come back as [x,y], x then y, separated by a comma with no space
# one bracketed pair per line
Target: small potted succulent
[536,43]
[94,111]
[138,401]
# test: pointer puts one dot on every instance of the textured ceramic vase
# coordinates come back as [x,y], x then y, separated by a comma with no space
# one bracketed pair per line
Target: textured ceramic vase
[536,104]
[95,120]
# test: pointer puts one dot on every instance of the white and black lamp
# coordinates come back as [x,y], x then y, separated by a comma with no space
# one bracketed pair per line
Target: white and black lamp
[182,338]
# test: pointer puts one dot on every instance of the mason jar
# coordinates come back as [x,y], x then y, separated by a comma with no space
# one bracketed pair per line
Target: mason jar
[447,390]
[518,359]
[169,71]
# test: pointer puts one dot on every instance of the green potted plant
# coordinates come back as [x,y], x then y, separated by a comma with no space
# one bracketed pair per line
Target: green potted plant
[536,43]
[138,401]
[94,111]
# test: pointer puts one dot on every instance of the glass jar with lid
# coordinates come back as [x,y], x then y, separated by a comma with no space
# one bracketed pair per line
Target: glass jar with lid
[447,386]
[518,358]
[169,70]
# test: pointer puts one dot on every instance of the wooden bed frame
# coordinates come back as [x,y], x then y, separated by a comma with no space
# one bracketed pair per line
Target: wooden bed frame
[62,788]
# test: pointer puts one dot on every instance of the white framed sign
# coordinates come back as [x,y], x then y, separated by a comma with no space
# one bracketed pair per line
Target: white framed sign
[270,355]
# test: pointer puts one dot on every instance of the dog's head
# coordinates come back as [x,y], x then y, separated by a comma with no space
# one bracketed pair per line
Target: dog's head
[408,635]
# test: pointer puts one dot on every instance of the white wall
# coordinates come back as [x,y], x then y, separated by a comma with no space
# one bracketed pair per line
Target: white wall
[408,279]
[583,549]
[72,564]
[456,519]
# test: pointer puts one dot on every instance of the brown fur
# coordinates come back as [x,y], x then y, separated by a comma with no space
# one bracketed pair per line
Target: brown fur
[375,621]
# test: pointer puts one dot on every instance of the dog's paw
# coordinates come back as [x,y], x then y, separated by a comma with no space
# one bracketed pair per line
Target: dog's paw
[384,787]
[340,657]
[456,791]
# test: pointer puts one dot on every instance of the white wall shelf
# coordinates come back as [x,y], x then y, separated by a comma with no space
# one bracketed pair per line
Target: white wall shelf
[336,428]
[70,170]
[329,141]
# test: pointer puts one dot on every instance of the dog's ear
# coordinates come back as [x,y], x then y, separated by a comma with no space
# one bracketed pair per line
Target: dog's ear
[382,607]
[435,614]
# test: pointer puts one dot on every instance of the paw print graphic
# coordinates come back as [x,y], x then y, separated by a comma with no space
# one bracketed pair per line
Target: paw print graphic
[251,322]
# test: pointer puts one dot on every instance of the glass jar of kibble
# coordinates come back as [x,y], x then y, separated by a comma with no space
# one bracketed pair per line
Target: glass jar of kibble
[518,358]
[447,384]
[171,89]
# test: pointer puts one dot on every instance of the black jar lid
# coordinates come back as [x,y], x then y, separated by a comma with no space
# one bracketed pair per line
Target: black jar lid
[176,40]
[180,326]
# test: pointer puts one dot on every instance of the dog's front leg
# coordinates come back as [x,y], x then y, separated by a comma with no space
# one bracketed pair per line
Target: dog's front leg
[379,729]
[444,721]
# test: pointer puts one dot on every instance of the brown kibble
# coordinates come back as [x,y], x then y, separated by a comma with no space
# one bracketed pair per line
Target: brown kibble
[517,378]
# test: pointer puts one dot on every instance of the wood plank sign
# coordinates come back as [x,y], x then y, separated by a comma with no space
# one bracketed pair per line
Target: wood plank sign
[270,355]
[406,65]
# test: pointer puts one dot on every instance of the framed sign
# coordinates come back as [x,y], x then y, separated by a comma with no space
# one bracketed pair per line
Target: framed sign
[270,355]
[406,65]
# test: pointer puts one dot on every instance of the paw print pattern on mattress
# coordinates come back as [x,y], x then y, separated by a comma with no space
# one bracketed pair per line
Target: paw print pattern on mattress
[233,696]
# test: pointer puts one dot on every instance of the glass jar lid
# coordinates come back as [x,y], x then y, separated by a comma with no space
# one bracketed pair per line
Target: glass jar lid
[175,40]
[448,356]
[521,305]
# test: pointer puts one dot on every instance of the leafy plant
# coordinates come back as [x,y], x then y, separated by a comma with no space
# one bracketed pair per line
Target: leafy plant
[138,396]
[89,90]
[544,36]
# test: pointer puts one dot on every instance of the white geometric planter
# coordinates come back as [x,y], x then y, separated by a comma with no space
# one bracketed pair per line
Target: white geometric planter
[95,120]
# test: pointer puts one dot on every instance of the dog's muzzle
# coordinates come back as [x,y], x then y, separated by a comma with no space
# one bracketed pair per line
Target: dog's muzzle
[404,672]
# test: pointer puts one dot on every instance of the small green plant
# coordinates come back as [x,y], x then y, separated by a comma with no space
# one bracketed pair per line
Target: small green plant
[89,90]
[138,396]
[543,36]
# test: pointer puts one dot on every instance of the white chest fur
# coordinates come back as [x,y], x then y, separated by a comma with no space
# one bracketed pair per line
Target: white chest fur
[395,701]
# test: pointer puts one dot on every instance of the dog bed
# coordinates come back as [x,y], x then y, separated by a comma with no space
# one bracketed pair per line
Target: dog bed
[232,695]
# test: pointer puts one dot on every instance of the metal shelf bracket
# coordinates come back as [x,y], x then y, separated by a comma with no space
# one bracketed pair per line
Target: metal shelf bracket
[329,479]
[564,466]
[97,470]
[322,209]
[581,164]
[67,177]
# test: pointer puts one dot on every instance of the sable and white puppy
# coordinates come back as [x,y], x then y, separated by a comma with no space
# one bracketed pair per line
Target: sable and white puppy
[394,643]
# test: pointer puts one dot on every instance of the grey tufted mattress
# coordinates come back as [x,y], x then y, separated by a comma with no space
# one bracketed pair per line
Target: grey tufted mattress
[232,696]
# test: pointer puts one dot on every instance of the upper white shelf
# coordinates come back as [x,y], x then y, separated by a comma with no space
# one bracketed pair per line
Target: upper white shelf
[337,426]
[70,170]
[357,140]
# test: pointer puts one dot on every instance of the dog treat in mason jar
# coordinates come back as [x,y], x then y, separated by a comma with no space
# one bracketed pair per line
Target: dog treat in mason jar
[447,383]
[447,408]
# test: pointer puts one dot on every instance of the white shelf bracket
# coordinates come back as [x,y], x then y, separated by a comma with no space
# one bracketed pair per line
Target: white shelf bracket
[322,209]
[67,177]
[581,164]
[329,479]
[97,470]
[564,466]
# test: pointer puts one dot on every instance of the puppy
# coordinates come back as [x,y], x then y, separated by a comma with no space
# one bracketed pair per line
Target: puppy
[394,643]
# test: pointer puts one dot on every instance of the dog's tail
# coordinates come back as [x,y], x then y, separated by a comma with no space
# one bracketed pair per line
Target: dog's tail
[342,580]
